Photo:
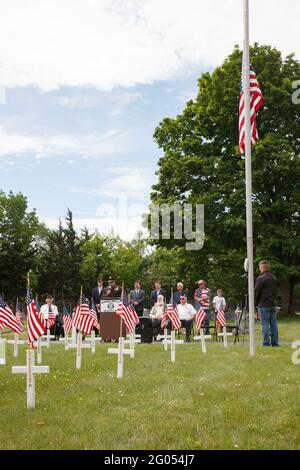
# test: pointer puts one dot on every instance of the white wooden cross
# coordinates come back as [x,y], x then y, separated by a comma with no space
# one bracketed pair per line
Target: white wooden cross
[79,346]
[68,341]
[202,338]
[93,340]
[132,340]
[224,336]
[74,335]
[120,351]
[173,343]
[3,351]
[30,370]
[47,338]
[16,341]
[39,344]
[164,337]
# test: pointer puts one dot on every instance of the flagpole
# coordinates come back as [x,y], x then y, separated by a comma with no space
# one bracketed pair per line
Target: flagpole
[121,321]
[248,171]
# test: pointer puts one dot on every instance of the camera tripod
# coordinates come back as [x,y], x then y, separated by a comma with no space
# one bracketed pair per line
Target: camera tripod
[242,322]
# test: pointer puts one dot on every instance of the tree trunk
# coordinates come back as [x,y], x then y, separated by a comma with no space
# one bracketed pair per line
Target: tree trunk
[287,300]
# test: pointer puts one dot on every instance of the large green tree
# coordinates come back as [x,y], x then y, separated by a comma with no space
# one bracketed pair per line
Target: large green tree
[59,261]
[200,164]
[20,237]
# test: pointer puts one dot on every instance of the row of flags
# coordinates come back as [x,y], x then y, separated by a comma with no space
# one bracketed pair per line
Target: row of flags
[85,318]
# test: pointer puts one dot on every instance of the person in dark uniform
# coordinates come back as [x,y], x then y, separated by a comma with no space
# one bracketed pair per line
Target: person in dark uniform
[266,301]
[112,291]
[157,291]
[137,298]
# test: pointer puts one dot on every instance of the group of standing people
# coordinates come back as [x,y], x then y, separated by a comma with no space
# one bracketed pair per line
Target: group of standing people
[265,301]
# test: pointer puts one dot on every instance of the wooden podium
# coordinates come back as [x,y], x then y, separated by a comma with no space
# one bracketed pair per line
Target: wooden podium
[109,322]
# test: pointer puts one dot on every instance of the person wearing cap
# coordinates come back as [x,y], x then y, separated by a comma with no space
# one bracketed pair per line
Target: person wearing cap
[187,314]
[137,298]
[112,291]
[202,297]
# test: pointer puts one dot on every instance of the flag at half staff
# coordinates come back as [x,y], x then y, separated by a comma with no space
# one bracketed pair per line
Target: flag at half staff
[7,318]
[35,322]
[256,102]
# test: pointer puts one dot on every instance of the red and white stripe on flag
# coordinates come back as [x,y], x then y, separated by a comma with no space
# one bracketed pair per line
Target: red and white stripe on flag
[94,316]
[51,320]
[35,323]
[173,315]
[221,317]
[200,315]
[126,317]
[256,101]
[82,318]
[19,317]
[7,319]
[67,323]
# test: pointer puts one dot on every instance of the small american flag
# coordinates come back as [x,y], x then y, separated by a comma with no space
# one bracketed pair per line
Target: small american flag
[67,320]
[82,318]
[171,313]
[18,314]
[94,315]
[51,320]
[125,312]
[7,318]
[200,315]
[221,318]
[35,322]
[256,101]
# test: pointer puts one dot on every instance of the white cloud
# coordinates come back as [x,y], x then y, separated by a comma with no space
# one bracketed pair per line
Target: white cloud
[119,184]
[110,43]
[106,143]
[126,226]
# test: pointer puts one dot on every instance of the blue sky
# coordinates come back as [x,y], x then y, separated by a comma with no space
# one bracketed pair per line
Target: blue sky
[87,82]
[87,149]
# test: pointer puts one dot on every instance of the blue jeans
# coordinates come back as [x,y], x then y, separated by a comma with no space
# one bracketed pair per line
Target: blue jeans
[269,325]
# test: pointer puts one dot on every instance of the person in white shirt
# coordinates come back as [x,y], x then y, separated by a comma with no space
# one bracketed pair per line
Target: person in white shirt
[49,307]
[219,304]
[187,314]
[156,315]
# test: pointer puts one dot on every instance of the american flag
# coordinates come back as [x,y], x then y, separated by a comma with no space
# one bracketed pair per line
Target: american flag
[256,101]
[35,322]
[171,313]
[221,317]
[51,320]
[7,318]
[200,315]
[94,315]
[82,318]
[18,314]
[67,320]
[126,313]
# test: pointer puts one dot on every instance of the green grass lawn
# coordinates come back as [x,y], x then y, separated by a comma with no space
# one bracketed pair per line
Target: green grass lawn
[221,400]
